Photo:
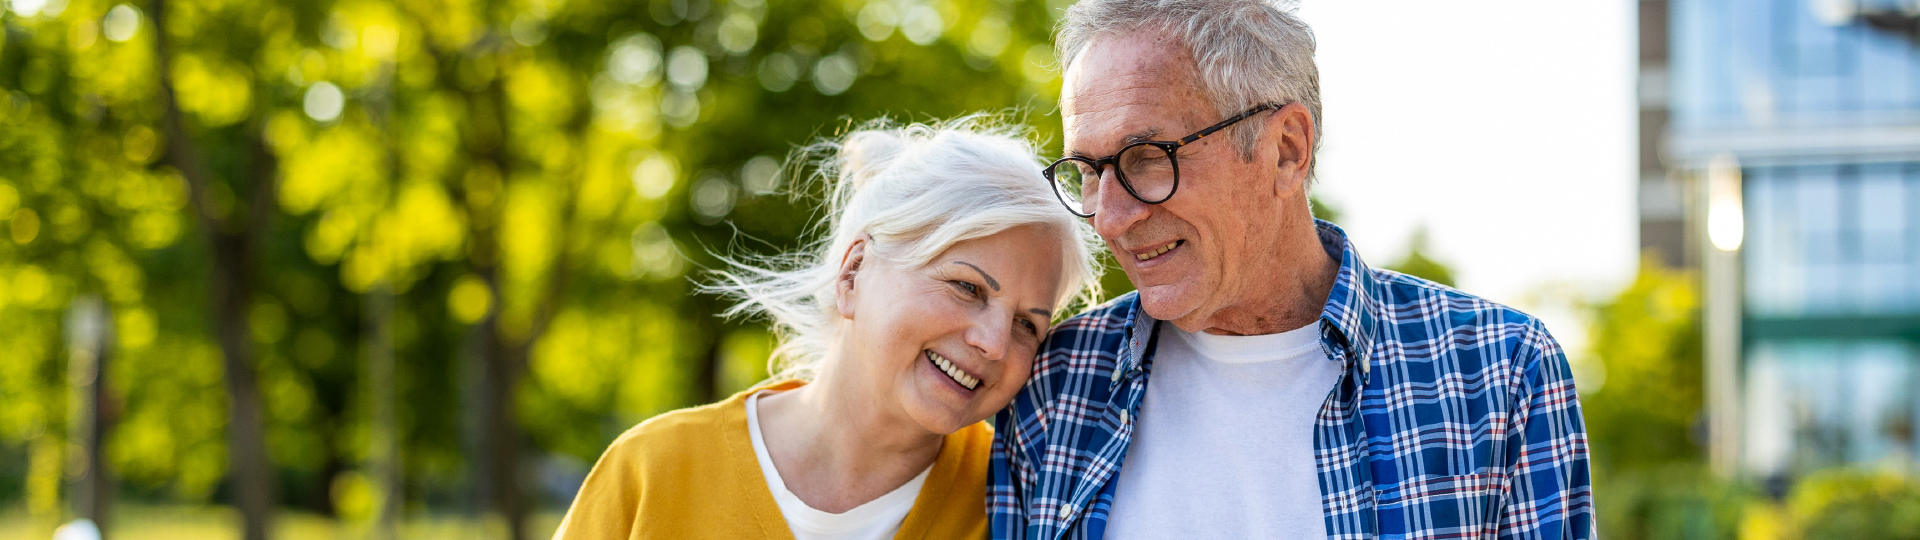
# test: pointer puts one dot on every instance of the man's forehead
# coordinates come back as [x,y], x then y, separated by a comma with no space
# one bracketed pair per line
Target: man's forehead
[1099,128]
[1126,87]
[1126,68]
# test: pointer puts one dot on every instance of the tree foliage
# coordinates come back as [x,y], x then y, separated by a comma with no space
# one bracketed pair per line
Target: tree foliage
[1640,391]
[1418,262]
[533,184]
[1646,397]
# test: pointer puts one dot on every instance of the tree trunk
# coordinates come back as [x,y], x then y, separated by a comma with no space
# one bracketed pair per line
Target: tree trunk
[476,417]
[251,473]
[89,331]
[706,378]
[233,246]
[494,428]
[503,436]
[498,359]
[497,476]
[384,450]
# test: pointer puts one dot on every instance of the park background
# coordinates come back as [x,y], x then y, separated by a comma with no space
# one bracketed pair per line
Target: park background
[403,268]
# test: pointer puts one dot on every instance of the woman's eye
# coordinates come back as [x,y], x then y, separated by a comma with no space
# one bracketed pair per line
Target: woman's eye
[969,288]
[1035,329]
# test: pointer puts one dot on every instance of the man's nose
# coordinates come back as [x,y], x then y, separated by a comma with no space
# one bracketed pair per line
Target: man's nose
[1115,209]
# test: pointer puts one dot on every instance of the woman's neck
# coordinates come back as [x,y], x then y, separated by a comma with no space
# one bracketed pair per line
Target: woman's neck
[838,446]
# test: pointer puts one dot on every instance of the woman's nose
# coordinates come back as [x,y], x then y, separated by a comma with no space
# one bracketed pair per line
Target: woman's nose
[991,332]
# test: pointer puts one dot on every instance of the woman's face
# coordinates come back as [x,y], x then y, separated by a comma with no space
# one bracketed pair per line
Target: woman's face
[949,343]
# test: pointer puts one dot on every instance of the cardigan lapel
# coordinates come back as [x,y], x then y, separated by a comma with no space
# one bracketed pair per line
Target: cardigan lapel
[755,498]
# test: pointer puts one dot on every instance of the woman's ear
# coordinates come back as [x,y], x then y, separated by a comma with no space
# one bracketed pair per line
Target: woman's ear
[843,286]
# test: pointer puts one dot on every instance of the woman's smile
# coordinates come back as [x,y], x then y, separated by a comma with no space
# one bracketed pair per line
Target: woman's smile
[952,371]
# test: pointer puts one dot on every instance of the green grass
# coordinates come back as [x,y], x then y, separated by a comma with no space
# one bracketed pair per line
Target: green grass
[145,522]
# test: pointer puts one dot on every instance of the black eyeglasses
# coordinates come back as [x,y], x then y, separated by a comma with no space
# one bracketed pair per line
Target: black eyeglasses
[1148,170]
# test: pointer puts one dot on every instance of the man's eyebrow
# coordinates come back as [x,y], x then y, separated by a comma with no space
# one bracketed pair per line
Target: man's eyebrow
[1041,312]
[1143,135]
[983,273]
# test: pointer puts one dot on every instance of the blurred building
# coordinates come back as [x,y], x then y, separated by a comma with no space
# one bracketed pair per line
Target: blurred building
[1780,155]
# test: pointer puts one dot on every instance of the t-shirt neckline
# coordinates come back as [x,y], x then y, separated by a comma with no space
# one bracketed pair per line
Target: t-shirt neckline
[802,516]
[1255,348]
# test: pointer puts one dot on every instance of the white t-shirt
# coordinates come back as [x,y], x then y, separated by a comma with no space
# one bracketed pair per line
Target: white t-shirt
[878,519]
[1223,445]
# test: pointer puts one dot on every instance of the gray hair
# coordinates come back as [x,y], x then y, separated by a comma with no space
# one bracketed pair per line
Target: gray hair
[1246,52]
[916,190]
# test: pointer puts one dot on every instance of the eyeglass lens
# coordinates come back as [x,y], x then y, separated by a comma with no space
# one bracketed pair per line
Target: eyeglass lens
[1148,169]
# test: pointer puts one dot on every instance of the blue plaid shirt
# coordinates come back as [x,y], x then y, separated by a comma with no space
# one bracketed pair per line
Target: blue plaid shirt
[1454,417]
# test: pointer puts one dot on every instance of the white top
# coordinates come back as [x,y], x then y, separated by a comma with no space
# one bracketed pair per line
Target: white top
[878,519]
[1223,445]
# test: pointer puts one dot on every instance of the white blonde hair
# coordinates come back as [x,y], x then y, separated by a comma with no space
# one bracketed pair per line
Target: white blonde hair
[1245,52]
[916,190]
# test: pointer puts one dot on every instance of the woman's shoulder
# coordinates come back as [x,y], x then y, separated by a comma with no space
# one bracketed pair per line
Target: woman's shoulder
[693,433]
[678,436]
[670,476]
[667,433]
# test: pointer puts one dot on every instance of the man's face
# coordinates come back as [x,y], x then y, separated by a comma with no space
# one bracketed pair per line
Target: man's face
[1222,223]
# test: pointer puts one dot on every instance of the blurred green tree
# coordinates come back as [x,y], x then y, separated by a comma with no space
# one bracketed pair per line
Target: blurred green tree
[1640,391]
[1418,263]
[508,199]
[1856,504]
[1643,404]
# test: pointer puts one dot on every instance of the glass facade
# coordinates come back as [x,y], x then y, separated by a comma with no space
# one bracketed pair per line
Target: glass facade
[1832,240]
[1819,102]
[1813,404]
[1769,64]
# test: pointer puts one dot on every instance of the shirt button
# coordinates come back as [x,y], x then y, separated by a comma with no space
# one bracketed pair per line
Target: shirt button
[1066,511]
[1116,373]
[1123,417]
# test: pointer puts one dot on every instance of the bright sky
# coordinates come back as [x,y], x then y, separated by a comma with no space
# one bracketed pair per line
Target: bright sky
[1505,126]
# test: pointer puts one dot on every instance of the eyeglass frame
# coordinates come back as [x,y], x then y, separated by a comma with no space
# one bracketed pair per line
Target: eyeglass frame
[1170,147]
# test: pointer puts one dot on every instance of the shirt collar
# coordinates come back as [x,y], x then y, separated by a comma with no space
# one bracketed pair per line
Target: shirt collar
[1353,310]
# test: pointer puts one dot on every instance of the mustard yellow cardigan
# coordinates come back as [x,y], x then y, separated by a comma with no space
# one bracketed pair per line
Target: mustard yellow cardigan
[692,474]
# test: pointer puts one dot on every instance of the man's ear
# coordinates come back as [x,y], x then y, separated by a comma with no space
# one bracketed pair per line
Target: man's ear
[1290,132]
[843,286]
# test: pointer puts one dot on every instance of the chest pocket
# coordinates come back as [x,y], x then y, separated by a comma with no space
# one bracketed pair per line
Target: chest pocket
[1471,504]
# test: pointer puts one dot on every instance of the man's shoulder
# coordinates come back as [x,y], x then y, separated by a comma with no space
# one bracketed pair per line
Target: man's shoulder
[1087,345]
[1109,319]
[1405,295]
[1450,332]
[1100,331]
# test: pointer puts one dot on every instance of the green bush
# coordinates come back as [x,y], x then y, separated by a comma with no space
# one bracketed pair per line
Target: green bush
[1851,503]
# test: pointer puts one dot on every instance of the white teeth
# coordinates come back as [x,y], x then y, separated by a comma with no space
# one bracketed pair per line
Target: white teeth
[1158,252]
[953,372]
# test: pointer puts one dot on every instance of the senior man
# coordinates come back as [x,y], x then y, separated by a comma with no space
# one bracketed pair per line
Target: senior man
[1263,382]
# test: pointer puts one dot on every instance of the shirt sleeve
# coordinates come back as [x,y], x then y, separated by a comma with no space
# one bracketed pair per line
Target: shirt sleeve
[1551,493]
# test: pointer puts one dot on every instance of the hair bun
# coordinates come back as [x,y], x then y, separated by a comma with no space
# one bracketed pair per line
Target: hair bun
[865,153]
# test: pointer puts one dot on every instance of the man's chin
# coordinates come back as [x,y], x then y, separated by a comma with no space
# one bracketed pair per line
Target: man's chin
[1167,302]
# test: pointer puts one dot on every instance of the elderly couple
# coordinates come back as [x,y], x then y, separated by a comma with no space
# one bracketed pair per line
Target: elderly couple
[1295,392]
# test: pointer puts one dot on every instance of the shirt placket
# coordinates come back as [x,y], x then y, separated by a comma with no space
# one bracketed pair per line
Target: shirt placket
[1347,434]
[1128,389]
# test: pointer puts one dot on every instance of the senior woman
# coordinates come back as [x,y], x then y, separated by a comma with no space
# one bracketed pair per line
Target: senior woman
[944,260]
